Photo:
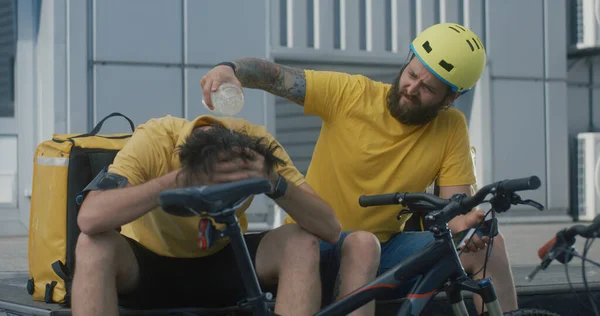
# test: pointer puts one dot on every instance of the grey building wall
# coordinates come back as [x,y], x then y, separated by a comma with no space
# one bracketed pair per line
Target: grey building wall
[78,61]
[527,49]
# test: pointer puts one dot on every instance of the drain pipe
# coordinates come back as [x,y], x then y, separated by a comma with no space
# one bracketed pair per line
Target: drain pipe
[591,127]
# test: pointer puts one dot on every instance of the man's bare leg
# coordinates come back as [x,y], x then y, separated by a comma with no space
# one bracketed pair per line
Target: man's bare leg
[290,257]
[359,261]
[106,265]
[498,268]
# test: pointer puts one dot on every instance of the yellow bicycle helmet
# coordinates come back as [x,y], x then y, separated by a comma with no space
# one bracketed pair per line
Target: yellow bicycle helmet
[453,53]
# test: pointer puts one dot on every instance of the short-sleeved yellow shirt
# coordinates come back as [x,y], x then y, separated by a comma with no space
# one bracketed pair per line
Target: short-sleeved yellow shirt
[362,149]
[150,153]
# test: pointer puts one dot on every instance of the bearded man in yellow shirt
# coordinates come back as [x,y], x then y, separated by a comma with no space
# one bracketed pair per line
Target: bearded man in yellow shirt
[379,138]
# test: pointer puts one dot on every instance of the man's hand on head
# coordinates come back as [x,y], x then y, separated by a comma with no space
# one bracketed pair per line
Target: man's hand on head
[236,167]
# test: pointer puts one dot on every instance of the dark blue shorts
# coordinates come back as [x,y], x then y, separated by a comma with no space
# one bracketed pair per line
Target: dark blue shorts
[393,251]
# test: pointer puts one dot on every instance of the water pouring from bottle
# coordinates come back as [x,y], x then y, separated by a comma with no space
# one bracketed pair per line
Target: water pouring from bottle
[228,100]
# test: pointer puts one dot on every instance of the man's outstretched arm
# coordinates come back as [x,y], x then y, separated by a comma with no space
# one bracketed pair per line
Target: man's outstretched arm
[255,73]
[286,82]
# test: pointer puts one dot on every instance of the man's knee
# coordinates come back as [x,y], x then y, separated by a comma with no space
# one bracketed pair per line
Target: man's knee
[499,241]
[288,242]
[299,242]
[286,247]
[362,245]
[497,254]
[498,248]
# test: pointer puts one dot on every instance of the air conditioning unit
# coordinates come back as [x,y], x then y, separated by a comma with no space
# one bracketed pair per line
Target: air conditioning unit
[588,170]
[587,19]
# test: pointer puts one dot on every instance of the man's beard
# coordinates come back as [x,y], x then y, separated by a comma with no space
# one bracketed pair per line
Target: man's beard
[410,114]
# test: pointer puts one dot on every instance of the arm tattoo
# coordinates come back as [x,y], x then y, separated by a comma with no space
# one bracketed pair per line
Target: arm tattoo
[280,80]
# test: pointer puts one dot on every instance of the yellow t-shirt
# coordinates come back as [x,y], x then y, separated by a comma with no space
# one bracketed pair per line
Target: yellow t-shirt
[362,149]
[150,153]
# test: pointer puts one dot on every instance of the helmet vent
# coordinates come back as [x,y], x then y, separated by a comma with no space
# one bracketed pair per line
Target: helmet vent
[471,45]
[455,30]
[446,65]
[460,27]
[476,44]
[427,47]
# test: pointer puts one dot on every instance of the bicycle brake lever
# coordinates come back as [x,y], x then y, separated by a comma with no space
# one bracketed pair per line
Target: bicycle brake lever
[405,211]
[542,266]
[517,200]
[533,204]
[550,256]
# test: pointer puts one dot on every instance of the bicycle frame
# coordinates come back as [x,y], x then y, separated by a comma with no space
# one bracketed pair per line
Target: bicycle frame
[255,297]
[436,267]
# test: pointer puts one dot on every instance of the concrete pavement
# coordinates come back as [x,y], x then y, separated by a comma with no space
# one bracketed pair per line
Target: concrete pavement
[522,240]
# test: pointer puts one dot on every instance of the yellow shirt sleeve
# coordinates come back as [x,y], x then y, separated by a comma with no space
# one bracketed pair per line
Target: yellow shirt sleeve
[139,160]
[457,166]
[288,170]
[329,93]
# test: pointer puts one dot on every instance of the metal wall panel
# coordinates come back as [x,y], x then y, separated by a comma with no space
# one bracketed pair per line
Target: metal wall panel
[555,39]
[578,71]
[595,115]
[516,42]
[518,133]
[141,93]
[138,30]
[223,30]
[77,61]
[557,153]
[578,116]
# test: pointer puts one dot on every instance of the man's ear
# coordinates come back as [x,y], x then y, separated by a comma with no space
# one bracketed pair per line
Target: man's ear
[450,99]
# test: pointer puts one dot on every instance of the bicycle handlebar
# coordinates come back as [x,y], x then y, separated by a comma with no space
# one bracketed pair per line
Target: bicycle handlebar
[567,236]
[458,204]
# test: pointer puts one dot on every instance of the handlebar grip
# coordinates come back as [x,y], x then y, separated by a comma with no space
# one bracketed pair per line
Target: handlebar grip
[530,183]
[379,199]
[545,248]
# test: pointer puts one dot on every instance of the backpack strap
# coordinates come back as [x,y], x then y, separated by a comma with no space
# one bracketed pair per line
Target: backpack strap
[98,126]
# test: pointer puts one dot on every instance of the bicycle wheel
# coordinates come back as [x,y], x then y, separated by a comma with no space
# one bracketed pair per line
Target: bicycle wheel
[530,312]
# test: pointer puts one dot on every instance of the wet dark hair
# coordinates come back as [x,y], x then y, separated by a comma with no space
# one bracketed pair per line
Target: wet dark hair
[200,151]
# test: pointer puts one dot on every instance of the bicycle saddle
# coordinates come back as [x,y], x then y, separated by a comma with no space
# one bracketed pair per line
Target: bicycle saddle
[192,201]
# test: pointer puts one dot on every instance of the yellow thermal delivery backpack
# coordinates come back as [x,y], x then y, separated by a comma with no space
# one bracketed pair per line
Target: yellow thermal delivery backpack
[63,167]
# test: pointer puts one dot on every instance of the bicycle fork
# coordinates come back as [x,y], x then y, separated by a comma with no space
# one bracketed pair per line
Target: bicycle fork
[484,288]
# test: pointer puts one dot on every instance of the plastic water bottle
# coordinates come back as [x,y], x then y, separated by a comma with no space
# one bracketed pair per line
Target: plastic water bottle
[228,100]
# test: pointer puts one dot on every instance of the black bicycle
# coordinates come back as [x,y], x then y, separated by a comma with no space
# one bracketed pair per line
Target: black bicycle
[560,248]
[436,267]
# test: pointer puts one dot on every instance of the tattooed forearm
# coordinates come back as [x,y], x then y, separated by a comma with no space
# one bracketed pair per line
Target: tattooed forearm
[280,80]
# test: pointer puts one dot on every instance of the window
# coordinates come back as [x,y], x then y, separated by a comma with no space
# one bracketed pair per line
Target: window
[7,57]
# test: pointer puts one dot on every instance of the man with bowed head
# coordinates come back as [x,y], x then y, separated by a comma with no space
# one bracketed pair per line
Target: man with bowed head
[379,138]
[154,262]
